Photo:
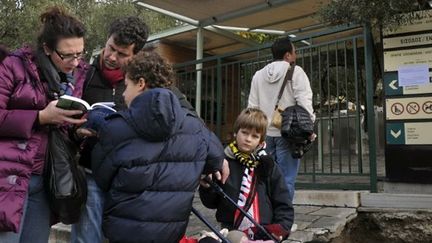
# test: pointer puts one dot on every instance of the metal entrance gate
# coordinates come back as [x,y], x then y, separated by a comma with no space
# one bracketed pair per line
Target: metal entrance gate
[340,71]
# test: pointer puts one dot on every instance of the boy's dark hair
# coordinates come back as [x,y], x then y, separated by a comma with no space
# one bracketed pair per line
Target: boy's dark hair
[129,30]
[252,118]
[150,66]
[280,47]
[57,24]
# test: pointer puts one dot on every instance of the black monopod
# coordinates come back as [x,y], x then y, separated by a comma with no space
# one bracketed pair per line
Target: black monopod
[221,192]
[204,220]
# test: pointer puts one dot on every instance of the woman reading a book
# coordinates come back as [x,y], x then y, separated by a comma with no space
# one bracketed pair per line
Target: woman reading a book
[30,81]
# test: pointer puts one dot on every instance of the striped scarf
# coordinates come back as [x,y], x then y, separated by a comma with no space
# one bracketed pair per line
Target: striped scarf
[248,198]
[248,160]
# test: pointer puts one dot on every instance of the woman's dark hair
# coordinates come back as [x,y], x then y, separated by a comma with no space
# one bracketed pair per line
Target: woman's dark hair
[3,52]
[58,24]
[150,66]
[129,30]
[280,47]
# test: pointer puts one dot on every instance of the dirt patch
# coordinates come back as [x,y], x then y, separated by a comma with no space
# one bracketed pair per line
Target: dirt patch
[388,227]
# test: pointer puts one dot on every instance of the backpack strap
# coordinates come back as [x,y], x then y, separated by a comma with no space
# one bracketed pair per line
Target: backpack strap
[288,76]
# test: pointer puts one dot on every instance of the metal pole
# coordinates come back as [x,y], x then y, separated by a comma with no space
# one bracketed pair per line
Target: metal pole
[370,105]
[168,13]
[198,67]
[219,99]
[221,192]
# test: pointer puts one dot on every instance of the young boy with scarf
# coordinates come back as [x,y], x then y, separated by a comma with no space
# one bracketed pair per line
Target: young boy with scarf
[255,183]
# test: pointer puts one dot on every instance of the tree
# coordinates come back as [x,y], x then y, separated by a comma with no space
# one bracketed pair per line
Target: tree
[19,19]
[381,14]
[258,37]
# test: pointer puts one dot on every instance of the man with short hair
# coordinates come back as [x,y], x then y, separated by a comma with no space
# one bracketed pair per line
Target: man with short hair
[266,84]
[104,83]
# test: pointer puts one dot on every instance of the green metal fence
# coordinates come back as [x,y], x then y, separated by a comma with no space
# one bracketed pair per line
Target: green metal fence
[340,71]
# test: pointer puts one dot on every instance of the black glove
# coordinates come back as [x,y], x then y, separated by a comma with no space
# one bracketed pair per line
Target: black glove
[265,165]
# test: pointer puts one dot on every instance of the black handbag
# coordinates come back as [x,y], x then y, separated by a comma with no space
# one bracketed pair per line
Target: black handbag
[297,124]
[297,127]
[64,181]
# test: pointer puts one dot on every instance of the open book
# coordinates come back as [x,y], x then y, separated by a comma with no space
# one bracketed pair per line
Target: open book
[68,102]
[96,113]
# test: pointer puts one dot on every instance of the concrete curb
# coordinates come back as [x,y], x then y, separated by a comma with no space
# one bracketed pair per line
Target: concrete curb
[328,198]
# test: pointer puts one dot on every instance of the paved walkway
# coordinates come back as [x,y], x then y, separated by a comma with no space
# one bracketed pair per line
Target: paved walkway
[313,222]
[320,223]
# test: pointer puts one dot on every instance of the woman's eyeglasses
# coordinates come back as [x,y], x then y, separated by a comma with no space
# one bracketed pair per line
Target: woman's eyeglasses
[70,57]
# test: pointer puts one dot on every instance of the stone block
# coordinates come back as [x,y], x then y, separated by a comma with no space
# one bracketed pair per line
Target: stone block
[301,225]
[305,217]
[333,224]
[301,236]
[327,198]
[305,209]
[387,200]
[335,212]
[406,188]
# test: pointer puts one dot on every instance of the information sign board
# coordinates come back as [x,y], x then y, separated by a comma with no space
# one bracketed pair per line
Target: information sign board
[409,108]
[391,86]
[410,133]
[395,59]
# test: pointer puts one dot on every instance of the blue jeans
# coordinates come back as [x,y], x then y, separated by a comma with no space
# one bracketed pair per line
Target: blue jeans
[89,227]
[35,223]
[278,148]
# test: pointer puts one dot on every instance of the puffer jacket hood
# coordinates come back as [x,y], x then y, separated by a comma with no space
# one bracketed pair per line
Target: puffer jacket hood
[150,181]
[160,121]
[228,153]
[28,59]
[274,71]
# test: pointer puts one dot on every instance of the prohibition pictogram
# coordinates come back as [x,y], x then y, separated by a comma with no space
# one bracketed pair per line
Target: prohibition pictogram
[413,108]
[427,107]
[397,109]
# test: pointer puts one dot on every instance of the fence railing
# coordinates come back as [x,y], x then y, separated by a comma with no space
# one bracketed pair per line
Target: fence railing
[340,75]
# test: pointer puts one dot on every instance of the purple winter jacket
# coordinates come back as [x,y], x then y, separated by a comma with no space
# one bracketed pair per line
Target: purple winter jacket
[22,144]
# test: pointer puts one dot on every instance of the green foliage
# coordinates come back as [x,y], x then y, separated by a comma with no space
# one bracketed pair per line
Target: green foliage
[378,12]
[19,19]
[8,11]
[381,14]
[258,37]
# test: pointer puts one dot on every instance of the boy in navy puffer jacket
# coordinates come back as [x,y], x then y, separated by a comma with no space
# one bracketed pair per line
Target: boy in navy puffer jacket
[149,158]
